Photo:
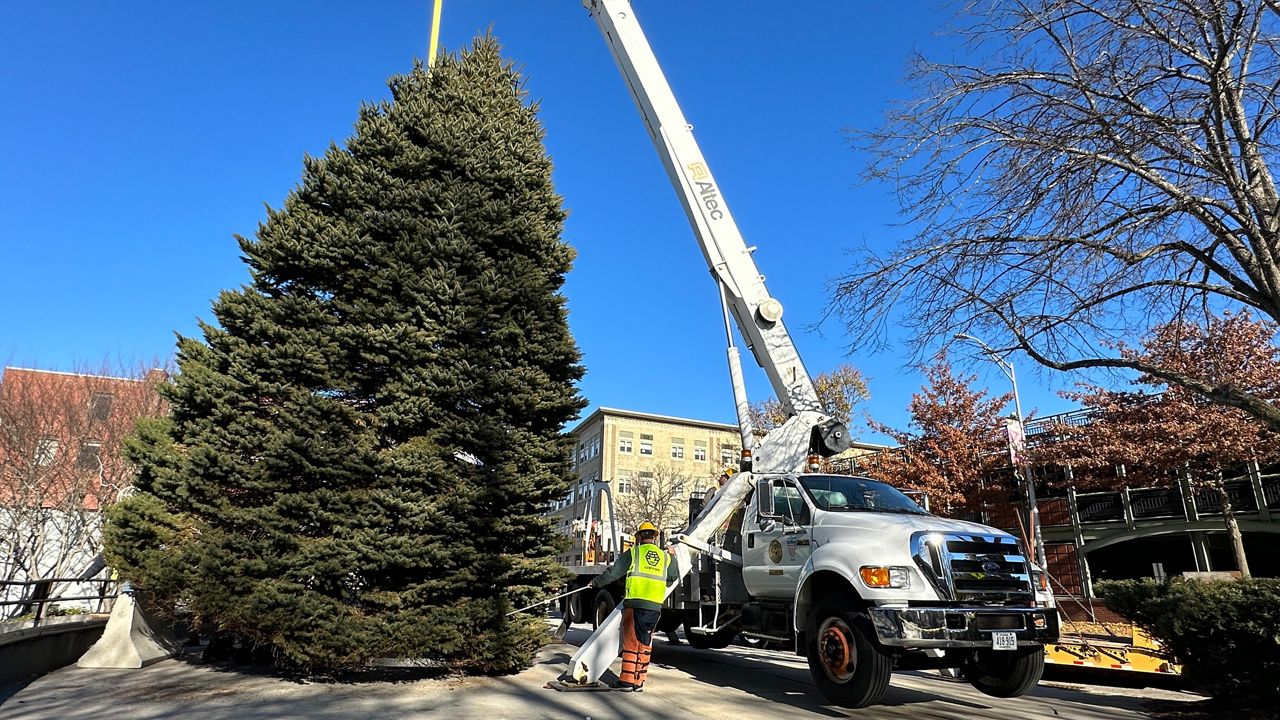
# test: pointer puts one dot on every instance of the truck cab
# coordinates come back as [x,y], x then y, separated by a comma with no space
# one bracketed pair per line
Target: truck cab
[862,581]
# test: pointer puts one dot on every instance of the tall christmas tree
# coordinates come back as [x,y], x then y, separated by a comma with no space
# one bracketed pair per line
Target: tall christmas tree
[360,450]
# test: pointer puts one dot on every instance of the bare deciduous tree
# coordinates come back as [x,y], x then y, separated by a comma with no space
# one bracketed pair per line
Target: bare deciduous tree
[839,389]
[60,464]
[658,496]
[1092,169]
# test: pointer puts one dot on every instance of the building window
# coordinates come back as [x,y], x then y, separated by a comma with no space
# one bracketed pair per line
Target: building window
[100,407]
[644,481]
[677,449]
[726,456]
[595,446]
[624,483]
[88,458]
[624,442]
[582,453]
[700,450]
[46,452]
[646,444]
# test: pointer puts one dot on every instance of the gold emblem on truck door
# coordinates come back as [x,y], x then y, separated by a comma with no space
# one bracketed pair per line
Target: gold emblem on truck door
[775,552]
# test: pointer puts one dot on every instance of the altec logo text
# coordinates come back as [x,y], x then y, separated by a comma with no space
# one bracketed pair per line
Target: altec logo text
[707,193]
[710,199]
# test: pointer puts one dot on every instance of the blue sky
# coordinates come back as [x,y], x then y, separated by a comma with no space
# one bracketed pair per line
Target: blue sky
[137,138]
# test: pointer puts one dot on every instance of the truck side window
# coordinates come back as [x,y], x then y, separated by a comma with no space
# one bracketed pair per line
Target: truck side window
[788,503]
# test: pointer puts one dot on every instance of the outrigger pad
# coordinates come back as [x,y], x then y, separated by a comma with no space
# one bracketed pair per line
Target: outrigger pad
[562,686]
[565,683]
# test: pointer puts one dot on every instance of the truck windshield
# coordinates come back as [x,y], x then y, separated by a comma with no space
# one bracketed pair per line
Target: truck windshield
[842,493]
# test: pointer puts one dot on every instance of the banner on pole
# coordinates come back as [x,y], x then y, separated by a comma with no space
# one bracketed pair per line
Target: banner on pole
[1017,438]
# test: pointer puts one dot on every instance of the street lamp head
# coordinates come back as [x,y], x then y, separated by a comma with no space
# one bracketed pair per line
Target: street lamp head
[966,337]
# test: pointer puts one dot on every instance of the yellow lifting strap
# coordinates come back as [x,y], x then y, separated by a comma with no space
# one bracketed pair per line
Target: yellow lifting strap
[435,34]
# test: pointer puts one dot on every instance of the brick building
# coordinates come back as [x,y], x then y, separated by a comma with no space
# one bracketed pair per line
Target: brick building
[60,463]
[624,448]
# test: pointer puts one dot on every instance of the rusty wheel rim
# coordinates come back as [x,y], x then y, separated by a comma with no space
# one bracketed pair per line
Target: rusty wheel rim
[835,650]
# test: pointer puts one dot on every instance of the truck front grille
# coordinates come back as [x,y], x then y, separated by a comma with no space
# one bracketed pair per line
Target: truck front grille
[974,568]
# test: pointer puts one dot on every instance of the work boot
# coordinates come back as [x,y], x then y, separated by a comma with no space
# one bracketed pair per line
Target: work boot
[627,687]
[672,637]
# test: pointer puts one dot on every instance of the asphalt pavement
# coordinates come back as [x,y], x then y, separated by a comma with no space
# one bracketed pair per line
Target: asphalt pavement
[737,683]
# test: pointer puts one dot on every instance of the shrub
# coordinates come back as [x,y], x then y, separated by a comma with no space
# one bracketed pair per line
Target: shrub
[1226,634]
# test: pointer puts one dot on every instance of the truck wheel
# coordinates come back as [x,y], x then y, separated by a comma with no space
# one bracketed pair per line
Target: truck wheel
[848,665]
[572,608]
[601,608]
[720,639]
[1005,674]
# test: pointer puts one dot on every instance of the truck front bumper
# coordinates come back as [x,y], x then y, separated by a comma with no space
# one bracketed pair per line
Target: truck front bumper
[962,627]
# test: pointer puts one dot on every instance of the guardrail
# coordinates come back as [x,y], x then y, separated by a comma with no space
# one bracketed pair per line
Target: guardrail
[1258,494]
[37,601]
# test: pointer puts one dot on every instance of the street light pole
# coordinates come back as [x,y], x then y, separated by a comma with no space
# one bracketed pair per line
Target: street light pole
[1033,507]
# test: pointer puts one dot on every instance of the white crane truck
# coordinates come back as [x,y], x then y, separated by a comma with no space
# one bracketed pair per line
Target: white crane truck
[849,571]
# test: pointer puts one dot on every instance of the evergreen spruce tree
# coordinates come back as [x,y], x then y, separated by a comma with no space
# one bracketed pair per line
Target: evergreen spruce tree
[360,451]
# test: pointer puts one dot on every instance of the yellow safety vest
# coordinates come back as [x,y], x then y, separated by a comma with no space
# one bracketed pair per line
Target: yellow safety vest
[647,577]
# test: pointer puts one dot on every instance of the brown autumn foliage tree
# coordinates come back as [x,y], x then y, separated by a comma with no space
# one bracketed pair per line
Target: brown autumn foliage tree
[839,390]
[1158,431]
[60,462]
[955,442]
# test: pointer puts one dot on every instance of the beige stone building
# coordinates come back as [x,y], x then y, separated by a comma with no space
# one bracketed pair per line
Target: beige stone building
[624,449]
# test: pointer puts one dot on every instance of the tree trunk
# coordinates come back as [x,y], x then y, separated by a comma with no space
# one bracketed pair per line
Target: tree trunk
[1233,527]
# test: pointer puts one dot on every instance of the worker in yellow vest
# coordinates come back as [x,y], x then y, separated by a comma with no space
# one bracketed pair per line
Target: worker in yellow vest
[649,571]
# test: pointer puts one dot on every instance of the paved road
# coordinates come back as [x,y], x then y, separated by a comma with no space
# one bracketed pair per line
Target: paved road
[737,683]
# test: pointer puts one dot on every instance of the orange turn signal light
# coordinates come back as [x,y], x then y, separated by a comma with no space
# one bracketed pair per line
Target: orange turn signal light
[875,576]
[880,576]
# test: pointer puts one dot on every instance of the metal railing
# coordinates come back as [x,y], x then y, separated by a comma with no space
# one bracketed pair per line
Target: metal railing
[38,600]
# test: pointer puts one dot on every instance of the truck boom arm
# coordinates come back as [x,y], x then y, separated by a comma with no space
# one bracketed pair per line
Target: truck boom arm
[757,314]
[743,294]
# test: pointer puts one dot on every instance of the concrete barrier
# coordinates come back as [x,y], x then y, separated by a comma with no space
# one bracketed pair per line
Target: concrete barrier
[132,639]
[30,648]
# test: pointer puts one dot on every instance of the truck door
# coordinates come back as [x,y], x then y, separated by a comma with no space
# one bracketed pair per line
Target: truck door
[776,545]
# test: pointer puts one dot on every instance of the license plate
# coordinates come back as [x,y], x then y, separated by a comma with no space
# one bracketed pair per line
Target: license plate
[1004,641]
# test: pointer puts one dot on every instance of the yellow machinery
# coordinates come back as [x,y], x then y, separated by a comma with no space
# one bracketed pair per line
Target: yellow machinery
[1109,646]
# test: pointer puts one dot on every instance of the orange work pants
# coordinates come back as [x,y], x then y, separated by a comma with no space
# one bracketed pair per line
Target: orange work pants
[638,625]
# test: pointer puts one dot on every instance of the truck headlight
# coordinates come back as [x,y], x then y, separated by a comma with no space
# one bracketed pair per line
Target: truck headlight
[885,576]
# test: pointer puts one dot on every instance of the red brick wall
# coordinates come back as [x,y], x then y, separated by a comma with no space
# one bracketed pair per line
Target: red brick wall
[1055,512]
[1070,610]
[1064,568]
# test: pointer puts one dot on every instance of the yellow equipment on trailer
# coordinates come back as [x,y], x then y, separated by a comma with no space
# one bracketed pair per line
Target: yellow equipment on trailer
[1109,646]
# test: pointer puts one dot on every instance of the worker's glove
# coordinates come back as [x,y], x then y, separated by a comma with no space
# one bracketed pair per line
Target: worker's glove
[592,585]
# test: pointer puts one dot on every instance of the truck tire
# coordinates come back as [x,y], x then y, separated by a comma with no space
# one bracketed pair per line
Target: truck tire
[1003,673]
[571,607]
[720,639]
[847,663]
[601,607]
